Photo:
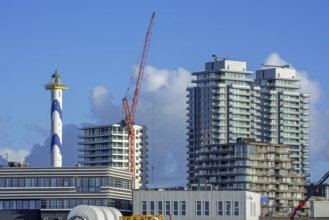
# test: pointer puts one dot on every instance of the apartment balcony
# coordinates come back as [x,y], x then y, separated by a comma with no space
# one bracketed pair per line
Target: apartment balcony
[240,112]
[218,173]
[305,101]
[240,106]
[240,99]
[216,166]
[88,148]
[218,118]
[290,124]
[290,130]
[290,98]
[244,119]
[305,107]
[305,143]
[213,158]
[283,85]
[294,112]
[290,117]
[240,125]
[217,150]
[91,155]
[219,98]
[256,115]
[240,92]
[218,110]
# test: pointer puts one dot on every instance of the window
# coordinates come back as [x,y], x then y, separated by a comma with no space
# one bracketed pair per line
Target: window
[220,208]
[183,208]
[228,208]
[152,212]
[38,204]
[160,208]
[144,208]
[12,204]
[198,208]
[26,204]
[236,208]
[6,205]
[19,204]
[206,208]
[167,207]
[175,208]
[32,204]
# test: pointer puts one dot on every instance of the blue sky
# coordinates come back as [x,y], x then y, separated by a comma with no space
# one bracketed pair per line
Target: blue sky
[94,45]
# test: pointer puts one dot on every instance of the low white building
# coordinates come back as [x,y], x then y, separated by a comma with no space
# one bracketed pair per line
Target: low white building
[319,209]
[198,205]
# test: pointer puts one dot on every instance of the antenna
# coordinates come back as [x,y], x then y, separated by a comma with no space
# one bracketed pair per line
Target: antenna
[6,156]
[215,57]
[281,66]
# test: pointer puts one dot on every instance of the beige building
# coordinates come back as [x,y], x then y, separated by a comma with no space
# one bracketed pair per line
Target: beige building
[256,167]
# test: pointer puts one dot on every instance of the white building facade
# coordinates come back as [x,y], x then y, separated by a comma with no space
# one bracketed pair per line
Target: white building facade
[53,192]
[107,145]
[198,205]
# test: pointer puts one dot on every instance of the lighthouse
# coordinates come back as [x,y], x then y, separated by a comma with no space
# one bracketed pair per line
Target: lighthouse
[56,87]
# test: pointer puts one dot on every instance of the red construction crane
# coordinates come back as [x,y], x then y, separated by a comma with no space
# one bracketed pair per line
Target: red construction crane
[130,112]
[314,189]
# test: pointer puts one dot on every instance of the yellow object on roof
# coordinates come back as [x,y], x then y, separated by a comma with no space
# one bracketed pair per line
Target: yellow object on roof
[142,217]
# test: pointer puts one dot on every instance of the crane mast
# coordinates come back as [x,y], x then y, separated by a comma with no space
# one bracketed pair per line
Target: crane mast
[130,112]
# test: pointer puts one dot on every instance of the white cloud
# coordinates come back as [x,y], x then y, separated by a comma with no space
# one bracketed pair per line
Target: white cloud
[102,107]
[162,109]
[100,95]
[310,86]
[154,78]
[275,59]
[15,156]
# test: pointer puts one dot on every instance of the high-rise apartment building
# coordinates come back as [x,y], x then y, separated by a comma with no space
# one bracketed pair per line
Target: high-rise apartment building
[223,106]
[107,145]
[285,113]
[227,104]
